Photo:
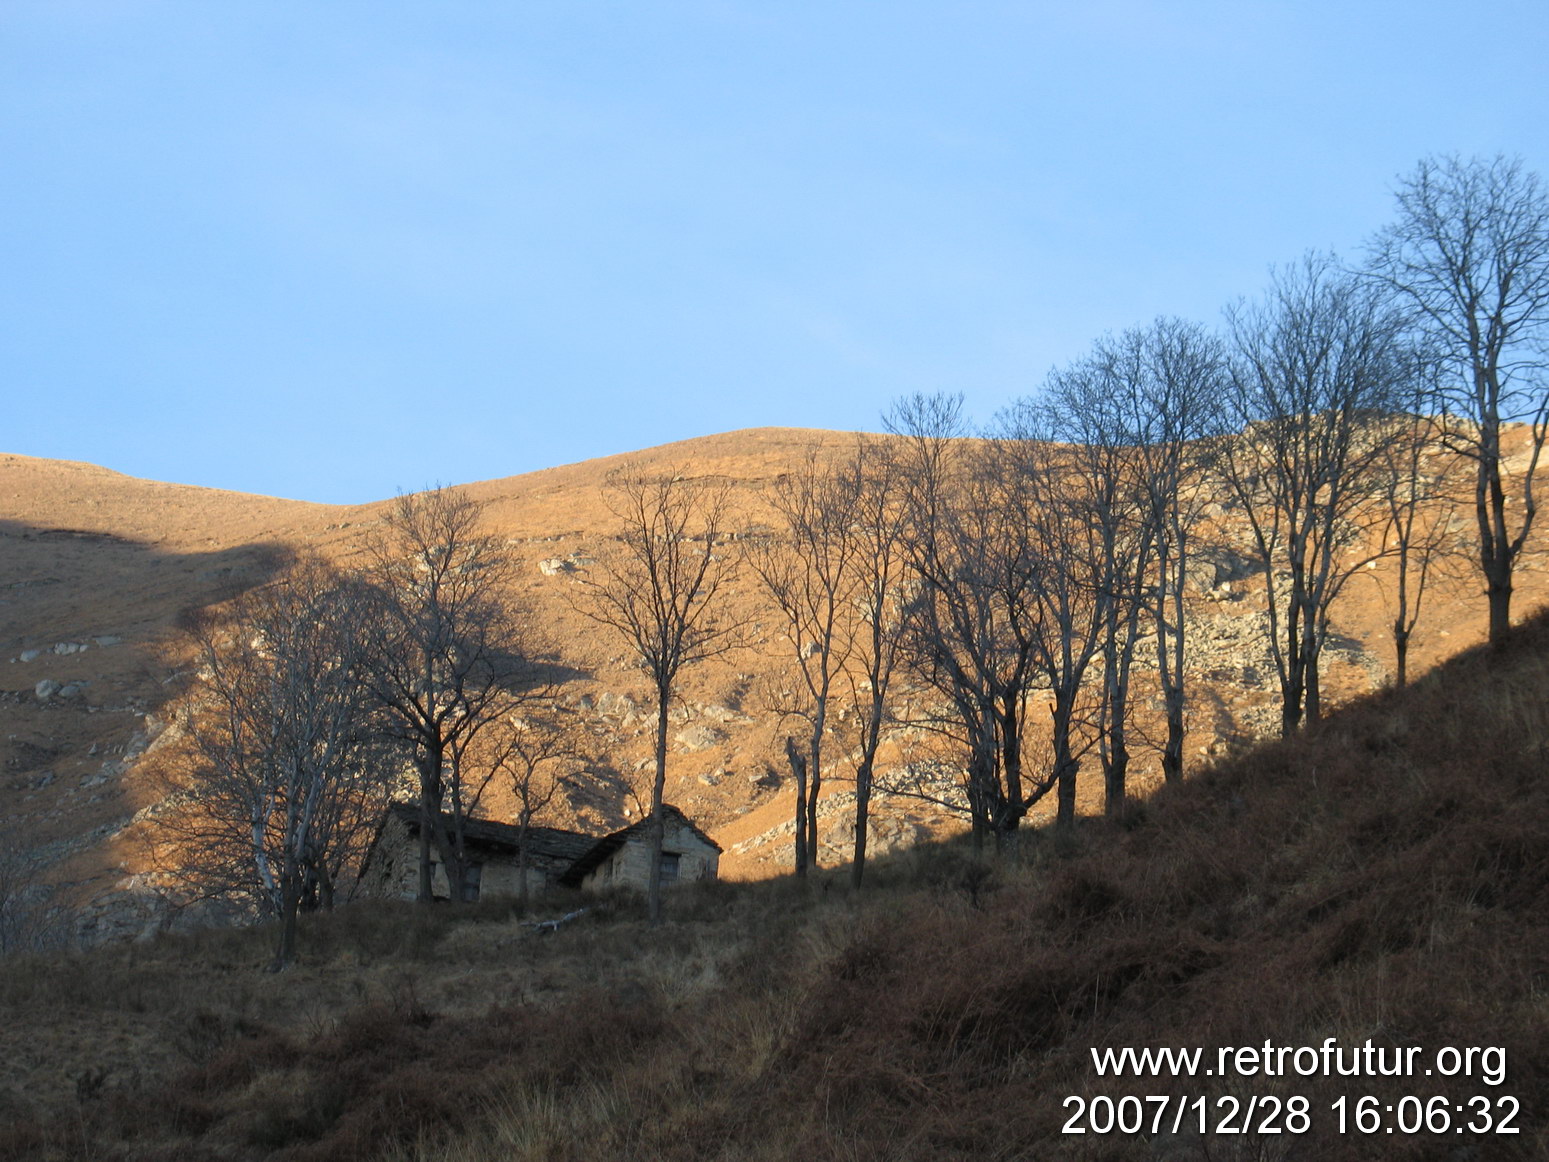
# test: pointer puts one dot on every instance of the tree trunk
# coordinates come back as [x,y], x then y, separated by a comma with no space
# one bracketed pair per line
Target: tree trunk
[1314,695]
[1169,661]
[863,779]
[290,905]
[1011,760]
[982,784]
[426,892]
[1498,591]
[1495,546]
[1293,687]
[522,896]
[798,763]
[1065,765]
[654,881]
[815,779]
[1117,775]
[430,820]
[862,816]
[325,889]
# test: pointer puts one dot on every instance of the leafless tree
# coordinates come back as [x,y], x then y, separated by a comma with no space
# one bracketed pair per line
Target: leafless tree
[999,605]
[536,754]
[871,478]
[833,572]
[1167,380]
[1084,406]
[810,570]
[957,640]
[279,783]
[659,586]
[1418,508]
[1071,589]
[1469,255]
[1319,367]
[447,659]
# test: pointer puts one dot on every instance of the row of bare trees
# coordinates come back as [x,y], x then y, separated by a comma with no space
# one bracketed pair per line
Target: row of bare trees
[1024,566]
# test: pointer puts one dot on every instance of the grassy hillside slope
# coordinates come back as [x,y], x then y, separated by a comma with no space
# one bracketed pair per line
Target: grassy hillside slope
[95,568]
[1382,879]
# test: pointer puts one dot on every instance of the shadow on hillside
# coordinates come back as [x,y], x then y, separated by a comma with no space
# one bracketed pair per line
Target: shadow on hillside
[536,675]
[84,616]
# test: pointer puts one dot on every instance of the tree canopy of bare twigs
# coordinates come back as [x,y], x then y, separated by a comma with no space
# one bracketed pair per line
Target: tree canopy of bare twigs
[658,585]
[1319,366]
[809,570]
[833,570]
[1167,380]
[977,629]
[534,755]
[282,781]
[1469,258]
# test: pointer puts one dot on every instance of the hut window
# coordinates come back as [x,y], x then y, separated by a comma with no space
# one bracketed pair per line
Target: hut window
[472,876]
[670,867]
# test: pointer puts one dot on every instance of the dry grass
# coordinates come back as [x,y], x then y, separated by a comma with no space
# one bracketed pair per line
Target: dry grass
[1384,877]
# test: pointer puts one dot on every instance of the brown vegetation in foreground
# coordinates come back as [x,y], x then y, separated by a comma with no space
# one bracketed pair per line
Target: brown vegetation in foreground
[1381,877]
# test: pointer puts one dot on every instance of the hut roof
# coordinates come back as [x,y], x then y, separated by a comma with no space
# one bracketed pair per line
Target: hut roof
[550,842]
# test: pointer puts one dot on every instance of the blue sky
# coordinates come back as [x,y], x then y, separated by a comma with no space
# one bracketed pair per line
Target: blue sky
[331,250]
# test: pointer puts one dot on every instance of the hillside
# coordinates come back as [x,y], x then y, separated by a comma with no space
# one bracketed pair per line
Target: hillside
[1379,881]
[96,568]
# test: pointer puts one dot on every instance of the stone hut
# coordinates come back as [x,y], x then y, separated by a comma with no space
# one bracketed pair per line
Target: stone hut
[624,858]
[554,857]
[391,870]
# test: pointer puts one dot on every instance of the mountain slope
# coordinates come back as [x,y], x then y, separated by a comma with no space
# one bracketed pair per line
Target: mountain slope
[96,568]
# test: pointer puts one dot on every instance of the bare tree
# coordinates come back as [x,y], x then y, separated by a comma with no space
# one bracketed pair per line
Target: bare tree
[1084,405]
[280,785]
[536,753]
[809,569]
[957,637]
[834,574]
[1168,380]
[658,587]
[1004,602]
[878,601]
[1469,255]
[1417,530]
[1072,590]
[446,660]
[1319,368]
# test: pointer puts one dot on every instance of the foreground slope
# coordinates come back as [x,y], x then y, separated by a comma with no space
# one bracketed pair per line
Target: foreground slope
[1381,880]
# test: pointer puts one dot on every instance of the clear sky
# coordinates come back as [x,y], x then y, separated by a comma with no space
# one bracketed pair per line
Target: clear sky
[331,250]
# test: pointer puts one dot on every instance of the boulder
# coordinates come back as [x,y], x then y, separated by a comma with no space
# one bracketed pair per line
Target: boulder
[701,737]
